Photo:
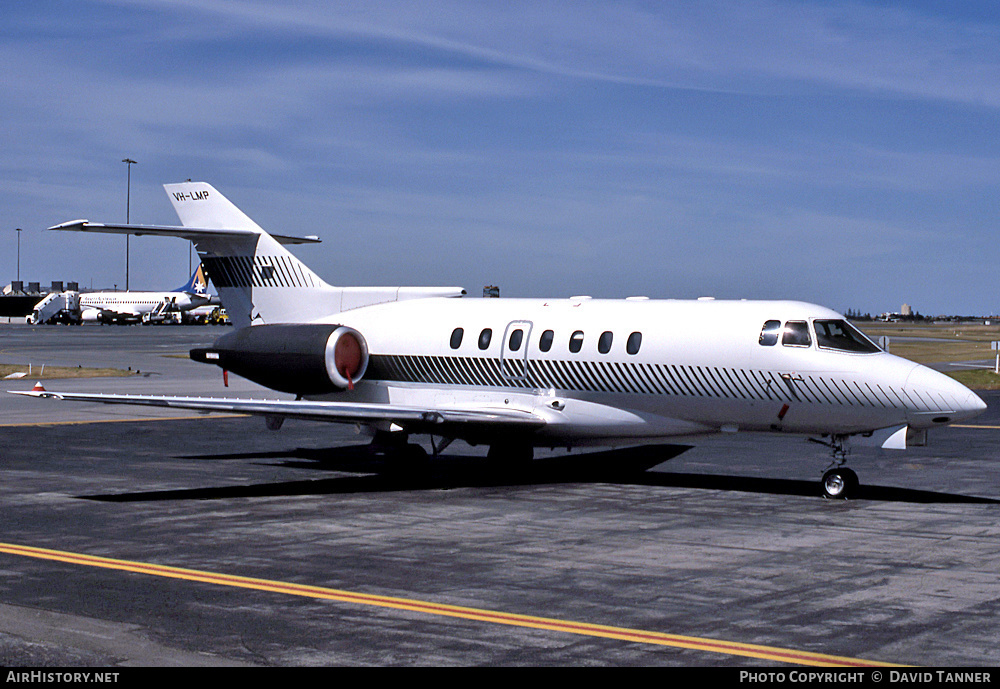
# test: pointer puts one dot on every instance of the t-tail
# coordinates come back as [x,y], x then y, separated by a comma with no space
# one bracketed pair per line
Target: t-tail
[258,280]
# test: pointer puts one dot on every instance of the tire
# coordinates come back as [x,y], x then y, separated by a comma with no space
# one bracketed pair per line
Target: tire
[839,484]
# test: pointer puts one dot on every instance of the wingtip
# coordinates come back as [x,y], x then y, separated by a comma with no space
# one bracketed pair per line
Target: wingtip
[69,224]
[37,391]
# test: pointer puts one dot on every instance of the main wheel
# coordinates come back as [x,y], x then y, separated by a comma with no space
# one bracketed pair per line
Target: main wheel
[839,483]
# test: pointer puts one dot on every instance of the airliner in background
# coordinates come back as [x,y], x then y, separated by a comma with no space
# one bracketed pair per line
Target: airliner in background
[131,306]
[516,374]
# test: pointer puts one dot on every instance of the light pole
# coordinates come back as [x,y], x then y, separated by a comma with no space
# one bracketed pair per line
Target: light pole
[128,194]
[18,254]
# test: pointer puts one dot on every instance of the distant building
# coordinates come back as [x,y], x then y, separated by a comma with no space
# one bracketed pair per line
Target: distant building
[491,291]
[906,310]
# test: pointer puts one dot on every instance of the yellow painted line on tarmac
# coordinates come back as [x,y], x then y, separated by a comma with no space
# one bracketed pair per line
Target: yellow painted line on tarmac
[768,653]
[210,415]
[959,425]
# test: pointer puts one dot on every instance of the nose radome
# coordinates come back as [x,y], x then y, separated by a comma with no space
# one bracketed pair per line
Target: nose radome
[974,403]
[943,394]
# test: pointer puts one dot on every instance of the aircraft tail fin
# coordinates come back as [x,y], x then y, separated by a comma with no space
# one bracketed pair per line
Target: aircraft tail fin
[196,284]
[197,204]
[258,280]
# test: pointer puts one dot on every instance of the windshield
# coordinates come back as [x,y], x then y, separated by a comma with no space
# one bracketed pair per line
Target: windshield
[843,336]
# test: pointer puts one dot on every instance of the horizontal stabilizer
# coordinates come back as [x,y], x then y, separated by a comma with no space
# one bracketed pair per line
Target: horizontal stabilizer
[191,233]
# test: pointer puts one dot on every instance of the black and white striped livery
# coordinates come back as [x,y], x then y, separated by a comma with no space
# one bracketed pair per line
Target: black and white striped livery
[259,271]
[649,379]
[521,373]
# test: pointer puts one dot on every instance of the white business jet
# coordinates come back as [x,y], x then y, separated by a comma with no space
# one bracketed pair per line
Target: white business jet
[515,374]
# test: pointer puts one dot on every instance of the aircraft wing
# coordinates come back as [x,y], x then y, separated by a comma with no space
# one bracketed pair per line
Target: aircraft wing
[338,412]
[190,233]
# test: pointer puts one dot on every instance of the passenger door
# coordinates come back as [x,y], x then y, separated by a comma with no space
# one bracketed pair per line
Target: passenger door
[514,350]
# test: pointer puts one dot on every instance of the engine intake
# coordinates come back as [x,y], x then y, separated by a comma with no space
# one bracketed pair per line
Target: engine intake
[300,359]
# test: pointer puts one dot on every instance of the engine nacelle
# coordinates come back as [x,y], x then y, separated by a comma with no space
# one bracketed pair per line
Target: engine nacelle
[300,359]
[346,357]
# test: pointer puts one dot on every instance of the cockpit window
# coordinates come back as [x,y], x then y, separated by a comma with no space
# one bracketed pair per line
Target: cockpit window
[843,336]
[796,334]
[769,333]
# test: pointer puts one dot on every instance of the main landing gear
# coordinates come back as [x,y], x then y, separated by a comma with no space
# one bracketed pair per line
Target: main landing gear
[839,482]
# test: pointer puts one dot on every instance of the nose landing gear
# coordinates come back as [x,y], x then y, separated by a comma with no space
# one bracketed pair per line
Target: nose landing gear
[839,482]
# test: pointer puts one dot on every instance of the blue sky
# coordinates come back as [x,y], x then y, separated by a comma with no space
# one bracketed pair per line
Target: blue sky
[840,153]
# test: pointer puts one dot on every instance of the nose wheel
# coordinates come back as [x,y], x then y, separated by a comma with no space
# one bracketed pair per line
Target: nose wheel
[839,483]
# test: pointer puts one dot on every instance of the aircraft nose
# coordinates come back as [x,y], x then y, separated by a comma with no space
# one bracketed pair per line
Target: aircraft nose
[975,404]
[943,399]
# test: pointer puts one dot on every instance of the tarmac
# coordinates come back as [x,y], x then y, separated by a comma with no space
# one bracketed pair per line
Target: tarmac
[133,538]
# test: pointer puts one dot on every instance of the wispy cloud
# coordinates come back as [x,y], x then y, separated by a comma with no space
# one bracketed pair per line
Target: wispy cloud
[707,44]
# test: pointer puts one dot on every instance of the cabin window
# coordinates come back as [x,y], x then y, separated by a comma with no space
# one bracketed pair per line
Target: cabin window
[769,333]
[604,342]
[514,343]
[545,341]
[633,343]
[456,338]
[796,334]
[576,341]
[485,337]
[843,336]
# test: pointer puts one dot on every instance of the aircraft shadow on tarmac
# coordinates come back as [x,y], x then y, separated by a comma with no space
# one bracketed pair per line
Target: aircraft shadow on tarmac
[368,473]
